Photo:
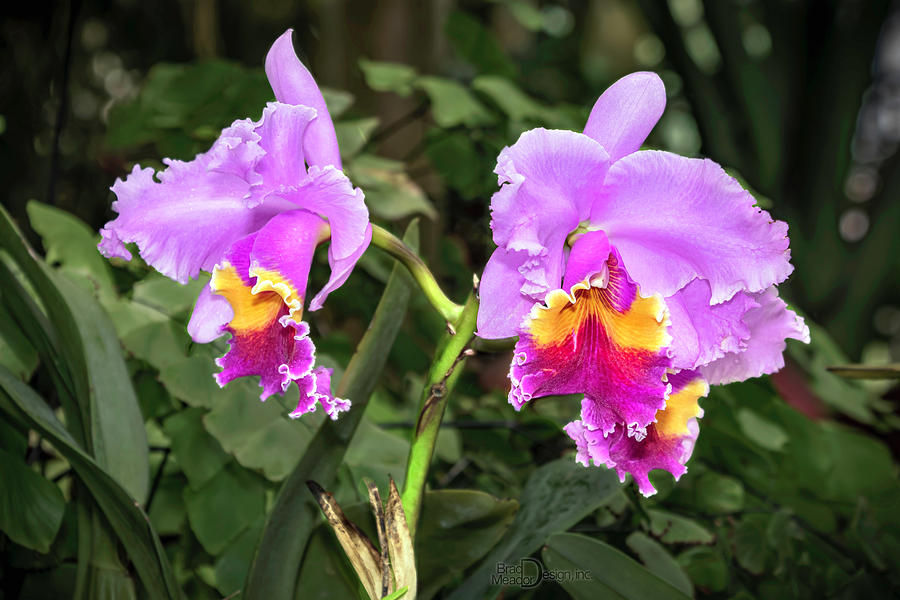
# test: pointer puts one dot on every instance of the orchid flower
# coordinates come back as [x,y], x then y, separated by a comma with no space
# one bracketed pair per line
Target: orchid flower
[636,278]
[251,210]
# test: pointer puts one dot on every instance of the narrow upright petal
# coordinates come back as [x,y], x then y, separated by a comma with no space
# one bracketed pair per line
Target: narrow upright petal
[549,179]
[587,258]
[674,219]
[626,112]
[770,323]
[668,444]
[502,304]
[702,333]
[281,131]
[293,84]
[608,343]
[187,220]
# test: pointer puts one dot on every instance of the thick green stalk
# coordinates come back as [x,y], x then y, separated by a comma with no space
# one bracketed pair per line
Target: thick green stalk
[391,244]
[442,376]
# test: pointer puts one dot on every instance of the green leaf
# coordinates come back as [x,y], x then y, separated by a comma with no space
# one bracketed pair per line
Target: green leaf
[390,193]
[658,560]
[276,563]
[475,44]
[761,430]
[233,563]
[71,244]
[388,76]
[16,353]
[227,504]
[456,528]
[197,453]
[611,573]
[353,135]
[124,515]
[511,100]
[376,454]
[750,542]
[31,508]
[337,101]
[167,296]
[670,528]
[453,104]
[706,567]
[191,380]
[555,497]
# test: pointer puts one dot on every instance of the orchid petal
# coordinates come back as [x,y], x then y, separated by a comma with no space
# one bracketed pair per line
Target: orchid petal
[502,306]
[626,112]
[211,315]
[293,84]
[674,219]
[587,258]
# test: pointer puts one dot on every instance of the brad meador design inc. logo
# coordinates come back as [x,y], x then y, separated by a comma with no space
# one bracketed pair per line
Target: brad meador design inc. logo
[529,573]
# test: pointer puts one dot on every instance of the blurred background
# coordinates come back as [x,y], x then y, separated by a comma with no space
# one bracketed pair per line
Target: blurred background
[793,488]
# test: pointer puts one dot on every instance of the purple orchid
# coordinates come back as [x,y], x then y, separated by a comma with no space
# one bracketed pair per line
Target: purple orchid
[252,210]
[637,278]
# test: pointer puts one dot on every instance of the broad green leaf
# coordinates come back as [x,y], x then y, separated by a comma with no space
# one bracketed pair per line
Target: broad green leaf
[166,295]
[16,353]
[71,244]
[511,100]
[706,567]
[376,454]
[750,542]
[606,572]
[147,333]
[762,431]
[475,44]
[353,135]
[658,560]
[124,515]
[457,528]
[718,494]
[276,563]
[452,103]
[31,508]
[197,453]
[337,101]
[670,528]
[326,573]
[191,380]
[233,563]
[388,76]
[555,497]
[390,193]
[167,511]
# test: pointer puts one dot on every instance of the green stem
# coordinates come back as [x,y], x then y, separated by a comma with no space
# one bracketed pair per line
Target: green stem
[391,244]
[442,376]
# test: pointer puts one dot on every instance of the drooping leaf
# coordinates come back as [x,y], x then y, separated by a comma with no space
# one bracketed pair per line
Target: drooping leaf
[388,76]
[31,508]
[452,103]
[16,353]
[658,560]
[606,572]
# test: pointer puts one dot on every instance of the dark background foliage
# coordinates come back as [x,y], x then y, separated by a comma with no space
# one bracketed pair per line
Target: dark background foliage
[793,486]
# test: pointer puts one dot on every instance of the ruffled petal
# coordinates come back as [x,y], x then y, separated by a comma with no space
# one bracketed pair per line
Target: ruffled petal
[329,193]
[293,84]
[281,131]
[187,220]
[668,444]
[607,343]
[548,179]
[502,305]
[266,341]
[282,255]
[770,323]
[211,315]
[674,219]
[626,112]
[702,333]
[316,389]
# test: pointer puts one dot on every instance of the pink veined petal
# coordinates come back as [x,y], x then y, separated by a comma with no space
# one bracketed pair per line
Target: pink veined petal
[281,131]
[626,112]
[674,219]
[607,343]
[702,333]
[329,193]
[282,255]
[211,315]
[187,220]
[587,258]
[770,324]
[293,84]
[502,304]
[667,444]
[548,181]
